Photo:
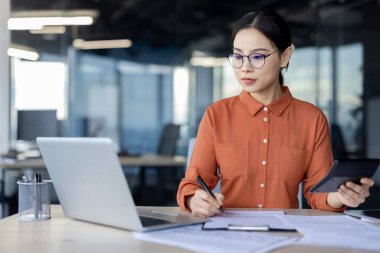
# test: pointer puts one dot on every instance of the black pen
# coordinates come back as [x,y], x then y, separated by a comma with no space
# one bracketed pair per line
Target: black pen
[36,196]
[204,186]
[38,210]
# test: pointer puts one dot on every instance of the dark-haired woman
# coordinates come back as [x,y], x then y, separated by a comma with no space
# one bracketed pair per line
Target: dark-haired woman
[264,142]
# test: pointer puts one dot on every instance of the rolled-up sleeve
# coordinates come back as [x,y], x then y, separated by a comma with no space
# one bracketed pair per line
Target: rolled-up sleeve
[319,166]
[203,162]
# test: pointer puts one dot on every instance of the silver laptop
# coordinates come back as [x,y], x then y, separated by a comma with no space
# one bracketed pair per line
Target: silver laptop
[91,186]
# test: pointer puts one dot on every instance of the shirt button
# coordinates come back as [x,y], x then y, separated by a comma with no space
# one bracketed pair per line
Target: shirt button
[265,119]
[260,205]
[264,162]
[265,140]
[261,185]
[265,109]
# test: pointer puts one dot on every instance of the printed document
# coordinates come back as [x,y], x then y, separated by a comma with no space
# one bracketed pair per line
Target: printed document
[211,241]
[248,218]
[336,231]
[194,238]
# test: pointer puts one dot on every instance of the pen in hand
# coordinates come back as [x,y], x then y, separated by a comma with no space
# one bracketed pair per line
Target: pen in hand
[204,186]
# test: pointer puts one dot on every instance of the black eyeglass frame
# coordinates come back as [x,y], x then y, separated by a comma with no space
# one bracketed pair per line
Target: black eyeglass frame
[242,59]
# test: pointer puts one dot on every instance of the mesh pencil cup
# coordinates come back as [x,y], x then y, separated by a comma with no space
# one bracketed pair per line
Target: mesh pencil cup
[33,200]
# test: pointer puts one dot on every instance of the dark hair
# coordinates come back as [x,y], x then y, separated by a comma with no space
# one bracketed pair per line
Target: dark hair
[271,25]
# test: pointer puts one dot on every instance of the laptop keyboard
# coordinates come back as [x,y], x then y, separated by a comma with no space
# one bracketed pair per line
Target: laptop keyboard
[148,221]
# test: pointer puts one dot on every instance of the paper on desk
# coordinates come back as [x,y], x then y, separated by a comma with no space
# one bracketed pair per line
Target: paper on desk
[336,231]
[267,218]
[198,240]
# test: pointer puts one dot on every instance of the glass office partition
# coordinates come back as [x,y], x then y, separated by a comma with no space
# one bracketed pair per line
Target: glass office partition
[231,87]
[310,82]
[350,94]
[94,97]
[146,105]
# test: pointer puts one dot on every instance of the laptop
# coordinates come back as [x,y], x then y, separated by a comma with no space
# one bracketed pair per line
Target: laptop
[370,214]
[91,186]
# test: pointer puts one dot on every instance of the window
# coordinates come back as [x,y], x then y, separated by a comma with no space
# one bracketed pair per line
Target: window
[40,85]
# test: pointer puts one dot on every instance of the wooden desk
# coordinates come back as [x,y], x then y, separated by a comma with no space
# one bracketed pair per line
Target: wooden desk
[143,162]
[62,234]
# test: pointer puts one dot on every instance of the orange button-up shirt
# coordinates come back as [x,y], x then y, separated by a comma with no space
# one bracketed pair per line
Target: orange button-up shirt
[262,152]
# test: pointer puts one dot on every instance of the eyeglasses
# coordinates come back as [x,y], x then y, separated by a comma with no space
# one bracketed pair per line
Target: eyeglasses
[256,60]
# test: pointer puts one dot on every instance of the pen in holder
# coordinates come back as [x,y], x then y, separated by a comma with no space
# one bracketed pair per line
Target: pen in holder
[34,199]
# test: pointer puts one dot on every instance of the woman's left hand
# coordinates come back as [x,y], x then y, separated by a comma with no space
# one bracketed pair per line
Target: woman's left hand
[352,195]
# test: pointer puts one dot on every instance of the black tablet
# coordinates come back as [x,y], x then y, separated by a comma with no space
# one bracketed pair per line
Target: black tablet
[346,170]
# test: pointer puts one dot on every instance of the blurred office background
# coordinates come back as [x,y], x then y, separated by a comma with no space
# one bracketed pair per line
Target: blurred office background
[169,62]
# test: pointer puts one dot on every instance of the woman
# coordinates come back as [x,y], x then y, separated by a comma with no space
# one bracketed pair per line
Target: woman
[264,141]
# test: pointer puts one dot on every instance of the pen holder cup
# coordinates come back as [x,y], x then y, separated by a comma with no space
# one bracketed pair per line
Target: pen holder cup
[34,200]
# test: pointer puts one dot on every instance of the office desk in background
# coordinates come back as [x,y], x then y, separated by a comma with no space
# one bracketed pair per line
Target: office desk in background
[142,162]
[127,161]
[62,234]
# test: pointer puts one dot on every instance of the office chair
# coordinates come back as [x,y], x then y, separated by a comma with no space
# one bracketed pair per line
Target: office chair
[168,140]
[338,145]
[167,178]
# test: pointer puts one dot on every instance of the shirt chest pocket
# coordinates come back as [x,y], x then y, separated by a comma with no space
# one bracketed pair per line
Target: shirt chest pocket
[232,159]
[292,165]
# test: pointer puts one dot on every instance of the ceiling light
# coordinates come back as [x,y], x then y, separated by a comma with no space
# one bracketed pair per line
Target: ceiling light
[37,20]
[37,23]
[207,61]
[49,30]
[101,44]
[55,13]
[23,52]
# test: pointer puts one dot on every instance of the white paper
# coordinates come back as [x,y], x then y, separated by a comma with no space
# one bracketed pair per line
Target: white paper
[336,231]
[198,240]
[248,218]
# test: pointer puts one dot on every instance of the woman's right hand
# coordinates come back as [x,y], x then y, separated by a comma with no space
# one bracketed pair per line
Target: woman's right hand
[203,204]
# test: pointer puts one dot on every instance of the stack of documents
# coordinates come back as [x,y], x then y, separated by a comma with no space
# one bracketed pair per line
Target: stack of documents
[339,231]
[198,240]
[220,240]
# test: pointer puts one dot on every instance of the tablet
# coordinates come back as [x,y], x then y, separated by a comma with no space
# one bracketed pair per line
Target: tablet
[371,215]
[346,170]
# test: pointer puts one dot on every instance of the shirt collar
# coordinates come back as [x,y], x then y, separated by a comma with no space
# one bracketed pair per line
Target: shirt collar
[277,107]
